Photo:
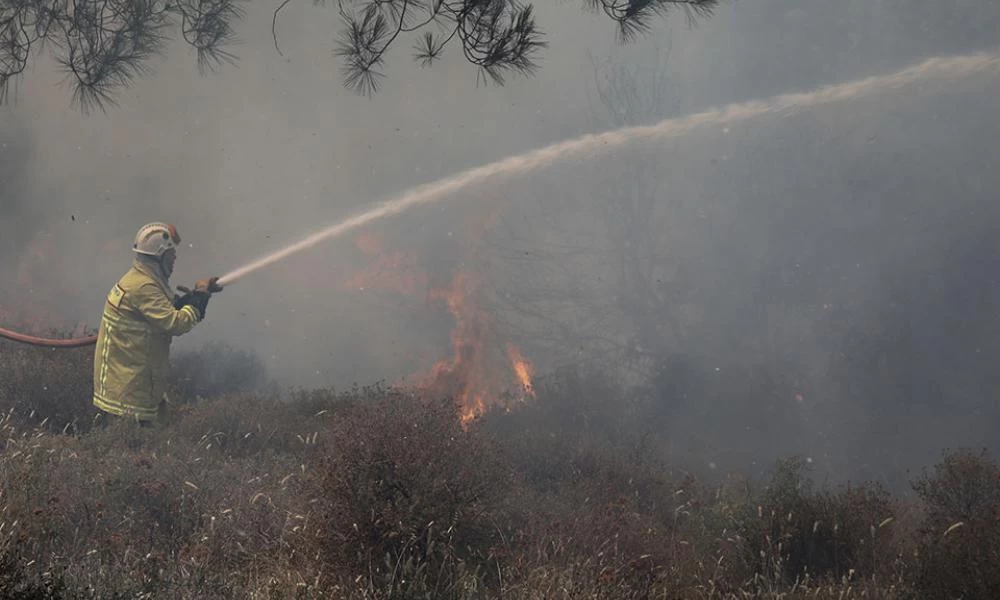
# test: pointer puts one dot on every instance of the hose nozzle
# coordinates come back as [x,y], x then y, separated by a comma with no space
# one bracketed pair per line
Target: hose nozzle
[208,284]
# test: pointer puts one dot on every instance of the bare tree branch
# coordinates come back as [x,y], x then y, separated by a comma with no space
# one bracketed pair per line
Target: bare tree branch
[274,25]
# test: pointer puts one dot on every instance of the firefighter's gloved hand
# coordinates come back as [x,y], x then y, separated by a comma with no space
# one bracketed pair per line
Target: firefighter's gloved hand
[208,284]
[199,300]
[183,300]
[196,298]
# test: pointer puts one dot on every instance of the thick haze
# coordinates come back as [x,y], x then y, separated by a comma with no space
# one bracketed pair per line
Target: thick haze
[848,252]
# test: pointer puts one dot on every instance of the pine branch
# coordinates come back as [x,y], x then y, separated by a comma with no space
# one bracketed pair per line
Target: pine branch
[498,36]
[104,45]
[634,17]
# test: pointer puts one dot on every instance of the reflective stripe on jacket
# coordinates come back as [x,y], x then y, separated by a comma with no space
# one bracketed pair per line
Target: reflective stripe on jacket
[132,357]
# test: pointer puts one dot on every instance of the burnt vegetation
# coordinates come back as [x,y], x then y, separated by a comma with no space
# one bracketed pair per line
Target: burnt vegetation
[381,493]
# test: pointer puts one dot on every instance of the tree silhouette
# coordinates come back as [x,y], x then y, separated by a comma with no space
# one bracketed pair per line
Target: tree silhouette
[103,45]
[498,36]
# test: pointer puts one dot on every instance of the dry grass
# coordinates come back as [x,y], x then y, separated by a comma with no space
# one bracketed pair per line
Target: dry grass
[46,387]
[375,493]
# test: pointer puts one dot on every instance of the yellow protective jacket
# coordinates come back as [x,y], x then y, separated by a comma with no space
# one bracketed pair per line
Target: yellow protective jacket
[131,360]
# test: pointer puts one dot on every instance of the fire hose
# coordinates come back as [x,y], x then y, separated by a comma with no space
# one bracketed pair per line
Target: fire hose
[47,342]
[43,342]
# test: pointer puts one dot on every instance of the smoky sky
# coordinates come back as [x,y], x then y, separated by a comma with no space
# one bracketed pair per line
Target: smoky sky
[16,212]
[845,257]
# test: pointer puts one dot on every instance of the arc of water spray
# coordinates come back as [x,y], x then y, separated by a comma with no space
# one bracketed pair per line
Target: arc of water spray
[940,67]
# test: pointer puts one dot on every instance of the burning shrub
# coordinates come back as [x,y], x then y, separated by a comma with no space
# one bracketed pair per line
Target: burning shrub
[408,497]
[959,544]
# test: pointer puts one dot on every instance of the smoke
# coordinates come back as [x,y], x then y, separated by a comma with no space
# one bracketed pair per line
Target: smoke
[17,212]
[819,283]
[249,157]
[588,147]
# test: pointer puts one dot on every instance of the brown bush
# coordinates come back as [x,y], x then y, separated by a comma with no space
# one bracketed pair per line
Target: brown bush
[604,531]
[217,368]
[793,532]
[959,544]
[172,512]
[54,387]
[16,583]
[597,515]
[377,493]
[592,486]
[407,497]
[50,386]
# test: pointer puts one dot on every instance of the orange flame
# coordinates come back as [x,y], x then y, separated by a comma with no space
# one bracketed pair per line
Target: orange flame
[471,374]
[522,369]
[476,375]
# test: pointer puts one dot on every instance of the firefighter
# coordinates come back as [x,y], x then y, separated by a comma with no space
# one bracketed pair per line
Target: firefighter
[141,316]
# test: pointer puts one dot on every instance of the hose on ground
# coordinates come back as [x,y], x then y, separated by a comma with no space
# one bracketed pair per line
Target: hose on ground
[47,342]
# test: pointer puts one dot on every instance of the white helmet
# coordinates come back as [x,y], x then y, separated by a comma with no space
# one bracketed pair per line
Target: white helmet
[154,239]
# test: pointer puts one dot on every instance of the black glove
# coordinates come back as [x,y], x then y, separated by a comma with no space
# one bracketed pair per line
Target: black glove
[182,301]
[196,298]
